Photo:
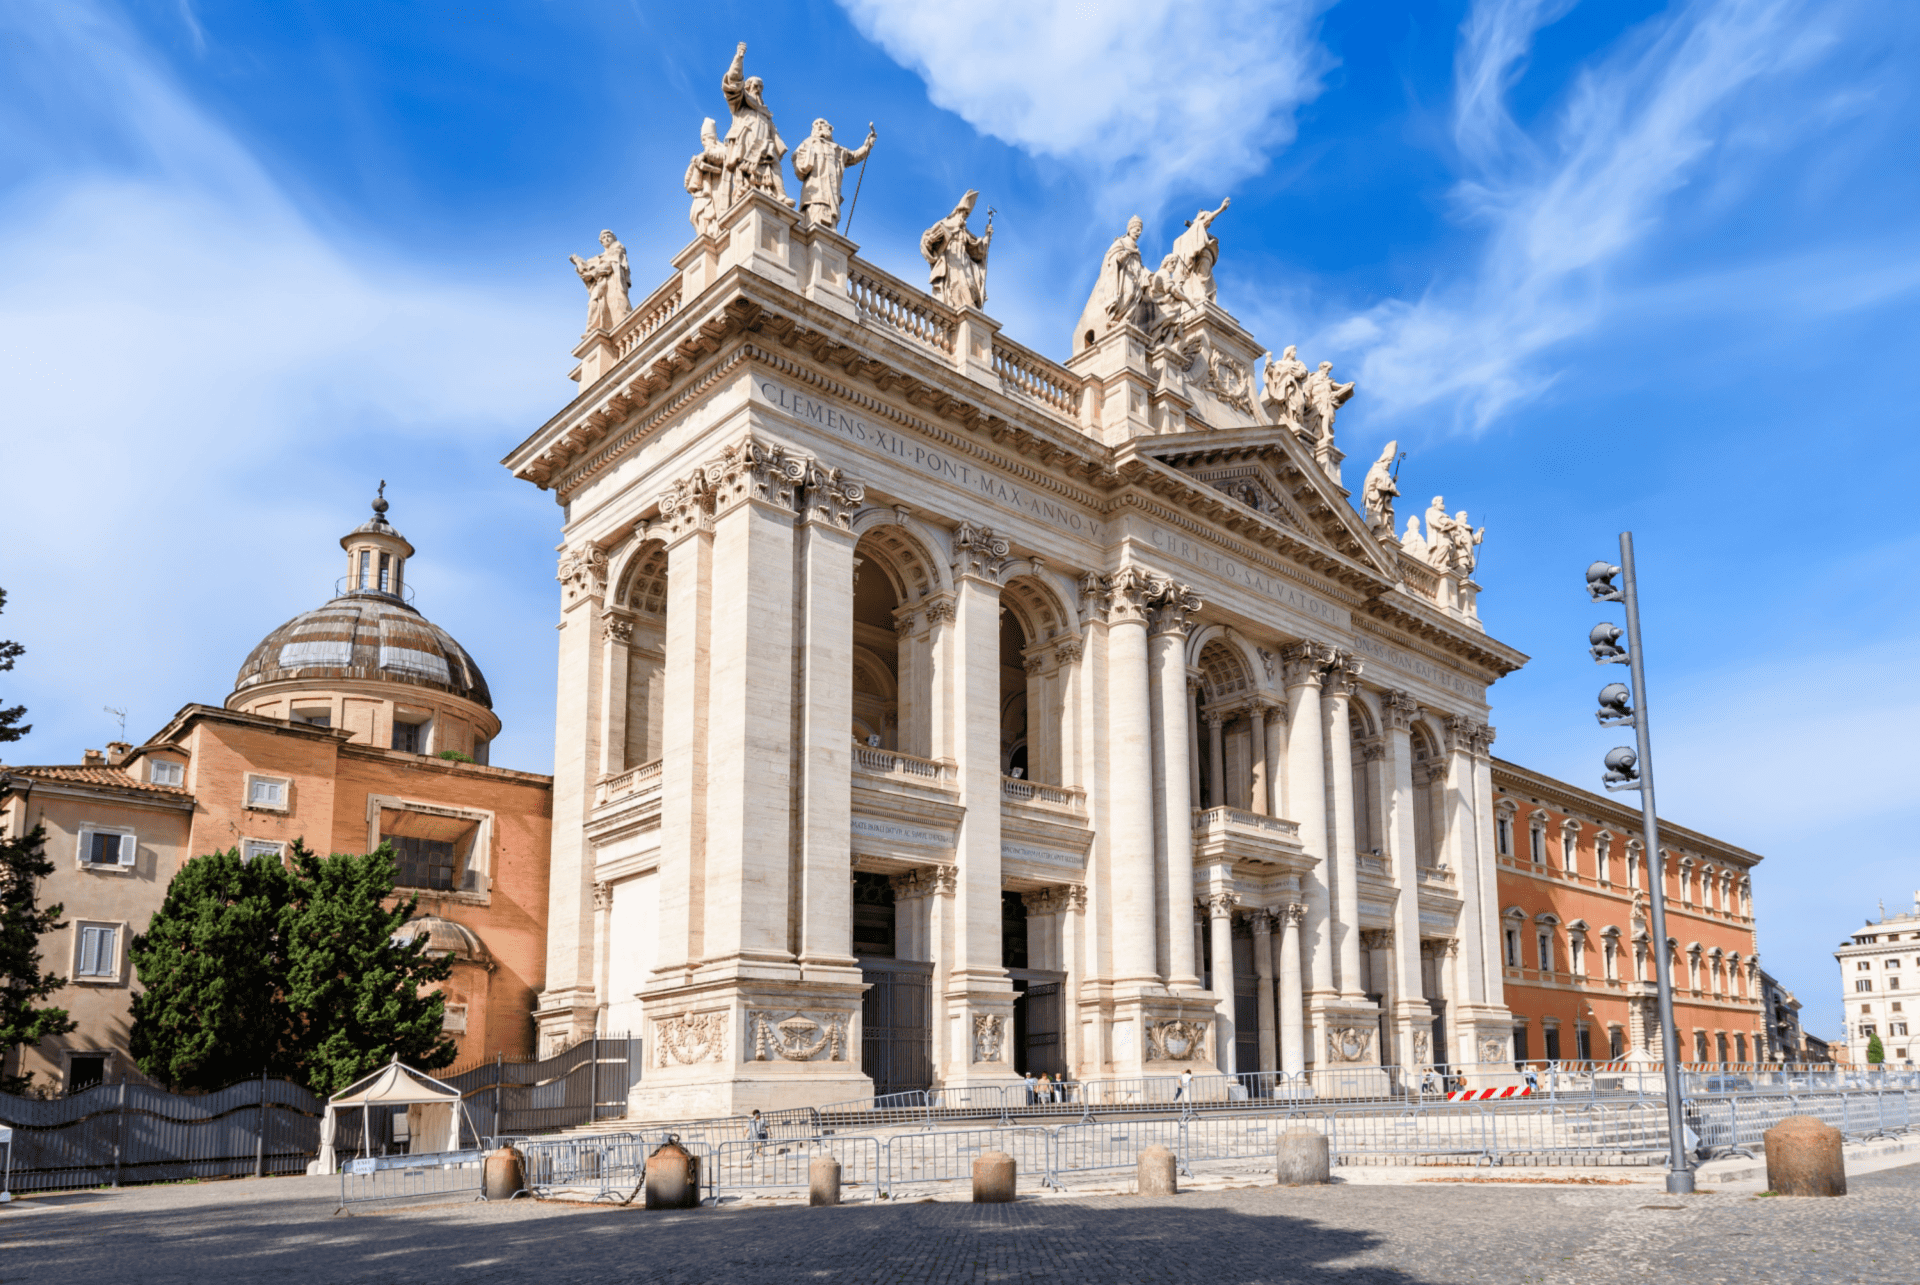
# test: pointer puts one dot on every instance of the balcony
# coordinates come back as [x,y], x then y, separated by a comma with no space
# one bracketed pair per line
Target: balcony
[1060,798]
[1229,834]
[635,783]
[938,773]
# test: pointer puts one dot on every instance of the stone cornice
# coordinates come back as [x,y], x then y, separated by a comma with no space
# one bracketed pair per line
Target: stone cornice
[1511,778]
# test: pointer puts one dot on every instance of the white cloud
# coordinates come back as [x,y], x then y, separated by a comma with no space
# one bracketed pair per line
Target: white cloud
[1144,97]
[1562,211]
[196,381]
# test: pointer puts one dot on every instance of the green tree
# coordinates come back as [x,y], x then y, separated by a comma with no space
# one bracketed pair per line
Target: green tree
[1876,1051]
[23,864]
[213,963]
[10,728]
[355,994]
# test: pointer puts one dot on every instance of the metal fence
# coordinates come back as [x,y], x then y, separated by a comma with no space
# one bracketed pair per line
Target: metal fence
[379,1179]
[576,1086]
[119,1133]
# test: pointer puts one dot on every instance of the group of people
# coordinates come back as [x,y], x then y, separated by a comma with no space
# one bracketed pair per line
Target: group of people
[1044,1089]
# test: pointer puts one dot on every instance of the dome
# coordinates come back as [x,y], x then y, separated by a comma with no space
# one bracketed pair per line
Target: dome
[365,635]
[444,937]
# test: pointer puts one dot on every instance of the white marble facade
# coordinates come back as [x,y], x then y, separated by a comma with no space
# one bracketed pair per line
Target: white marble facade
[838,559]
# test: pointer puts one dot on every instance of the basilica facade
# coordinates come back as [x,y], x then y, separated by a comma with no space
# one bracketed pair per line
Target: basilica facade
[931,712]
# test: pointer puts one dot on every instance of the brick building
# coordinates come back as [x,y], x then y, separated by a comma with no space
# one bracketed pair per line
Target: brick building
[353,724]
[1575,945]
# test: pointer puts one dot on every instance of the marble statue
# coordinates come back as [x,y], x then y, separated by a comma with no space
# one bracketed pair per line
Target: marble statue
[1189,266]
[822,164]
[1120,295]
[753,145]
[1415,546]
[607,280]
[708,182]
[1377,492]
[956,258]
[1464,539]
[1285,388]
[1326,397]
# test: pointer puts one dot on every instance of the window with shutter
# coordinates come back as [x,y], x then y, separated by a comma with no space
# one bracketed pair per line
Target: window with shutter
[99,952]
[163,772]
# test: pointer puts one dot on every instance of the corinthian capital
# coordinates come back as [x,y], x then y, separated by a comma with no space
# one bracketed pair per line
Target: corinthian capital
[1483,740]
[977,552]
[1400,709]
[583,570]
[757,472]
[832,497]
[687,506]
[1343,675]
[1306,663]
[1220,904]
[1292,916]
[1128,595]
[1173,607]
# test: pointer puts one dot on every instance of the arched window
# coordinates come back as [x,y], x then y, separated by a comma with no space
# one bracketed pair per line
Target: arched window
[637,621]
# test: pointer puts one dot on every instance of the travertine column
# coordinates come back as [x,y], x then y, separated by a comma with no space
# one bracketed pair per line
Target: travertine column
[1129,744]
[748,884]
[912,903]
[1220,916]
[978,987]
[942,933]
[1306,784]
[618,632]
[1398,710]
[1073,916]
[913,734]
[1494,993]
[1263,973]
[1341,681]
[1276,761]
[1257,753]
[688,513]
[1463,854]
[1379,944]
[1173,608]
[1293,1032]
[1216,759]
[824,900]
[567,1004]
[1193,738]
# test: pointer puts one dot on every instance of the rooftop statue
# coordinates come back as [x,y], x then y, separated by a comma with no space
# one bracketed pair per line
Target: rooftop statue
[1284,388]
[1451,541]
[822,164]
[753,148]
[708,182]
[1378,491]
[1465,538]
[1120,294]
[607,280]
[956,258]
[1189,266]
[1325,397]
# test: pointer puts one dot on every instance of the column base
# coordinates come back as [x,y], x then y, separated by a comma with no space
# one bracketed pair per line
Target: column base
[979,1038]
[1484,1040]
[1344,1038]
[728,1046]
[564,1017]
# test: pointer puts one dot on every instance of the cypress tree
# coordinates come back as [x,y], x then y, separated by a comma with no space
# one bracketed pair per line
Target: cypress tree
[213,964]
[1876,1051]
[23,864]
[354,992]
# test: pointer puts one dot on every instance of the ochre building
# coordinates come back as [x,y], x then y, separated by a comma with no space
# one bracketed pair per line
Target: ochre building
[929,710]
[1575,938]
[334,733]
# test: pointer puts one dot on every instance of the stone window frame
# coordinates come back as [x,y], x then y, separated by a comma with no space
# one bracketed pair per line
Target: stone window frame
[1544,940]
[176,770]
[253,848]
[1537,837]
[1514,954]
[128,855]
[1570,846]
[283,808]
[1503,827]
[1603,857]
[1577,948]
[1636,864]
[117,976]
[479,861]
[1610,953]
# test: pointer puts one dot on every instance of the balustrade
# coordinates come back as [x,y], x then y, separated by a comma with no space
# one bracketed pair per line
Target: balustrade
[1020,790]
[896,306]
[638,780]
[905,767]
[1024,371]
[652,313]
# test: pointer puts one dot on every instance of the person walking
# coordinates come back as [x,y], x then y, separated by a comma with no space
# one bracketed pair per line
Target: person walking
[1032,1084]
[1186,1083]
[757,1130]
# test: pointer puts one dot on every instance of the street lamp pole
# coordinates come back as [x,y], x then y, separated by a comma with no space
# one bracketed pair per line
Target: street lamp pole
[1624,774]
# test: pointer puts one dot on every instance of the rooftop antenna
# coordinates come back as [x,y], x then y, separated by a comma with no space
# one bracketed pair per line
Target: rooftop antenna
[120,714]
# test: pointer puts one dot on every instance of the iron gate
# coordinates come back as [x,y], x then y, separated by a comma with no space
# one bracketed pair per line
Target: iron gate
[896,1018]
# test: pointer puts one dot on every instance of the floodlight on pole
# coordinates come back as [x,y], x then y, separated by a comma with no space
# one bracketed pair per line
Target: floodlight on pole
[1632,769]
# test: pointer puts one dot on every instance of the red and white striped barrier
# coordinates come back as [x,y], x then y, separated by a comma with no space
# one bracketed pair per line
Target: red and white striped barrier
[1483,1095]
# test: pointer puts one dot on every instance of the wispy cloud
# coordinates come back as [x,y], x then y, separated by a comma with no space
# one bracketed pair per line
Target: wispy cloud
[1142,97]
[1563,208]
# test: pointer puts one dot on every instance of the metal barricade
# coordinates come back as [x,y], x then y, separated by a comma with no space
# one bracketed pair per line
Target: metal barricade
[948,1156]
[445,1174]
[1114,1144]
[746,1166]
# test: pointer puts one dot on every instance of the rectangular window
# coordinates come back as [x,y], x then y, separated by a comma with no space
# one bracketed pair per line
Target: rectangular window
[1616,1042]
[266,792]
[99,952]
[1699,1046]
[1570,850]
[1552,1035]
[1866,1029]
[163,772]
[1537,845]
[365,568]
[1503,835]
[1583,1044]
[318,716]
[100,849]
[423,863]
[1893,983]
[386,573]
[1602,861]
[1610,956]
[1862,965]
[1896,1028]
[261,848]
[85,1071]
[410,737]
[1893,963]
[1739,1048]
[1546,952]
[1864,984]
[1577,956]
[454,1019]
[1519,1043]
[1513,948]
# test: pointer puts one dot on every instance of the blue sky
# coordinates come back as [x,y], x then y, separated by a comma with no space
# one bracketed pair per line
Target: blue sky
[1595,265]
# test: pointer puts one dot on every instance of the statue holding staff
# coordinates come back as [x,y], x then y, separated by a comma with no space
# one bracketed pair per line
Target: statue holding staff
[753,146]
[956,258]
[822,164]
[1120,292]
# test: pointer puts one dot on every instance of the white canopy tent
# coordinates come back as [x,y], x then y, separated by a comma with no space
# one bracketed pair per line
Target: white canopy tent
[433,1111]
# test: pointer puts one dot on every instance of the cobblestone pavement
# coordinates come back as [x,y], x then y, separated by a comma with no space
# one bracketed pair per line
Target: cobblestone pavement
[1411,1234]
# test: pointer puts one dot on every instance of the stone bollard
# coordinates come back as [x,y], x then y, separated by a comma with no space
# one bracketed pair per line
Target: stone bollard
[1301,1159]
[1804,1159]
[823,1181]
[1157,1174]
[993,1178]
